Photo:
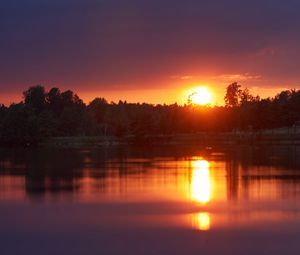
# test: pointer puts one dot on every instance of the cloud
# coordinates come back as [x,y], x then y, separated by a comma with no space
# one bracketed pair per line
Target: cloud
[184,77]
[268,52]
[236,77]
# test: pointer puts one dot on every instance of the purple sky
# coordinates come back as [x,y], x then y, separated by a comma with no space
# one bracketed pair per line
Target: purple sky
[136,49]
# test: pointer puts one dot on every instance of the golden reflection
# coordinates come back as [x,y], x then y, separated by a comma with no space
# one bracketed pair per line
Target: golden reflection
[201,221]
[200,186]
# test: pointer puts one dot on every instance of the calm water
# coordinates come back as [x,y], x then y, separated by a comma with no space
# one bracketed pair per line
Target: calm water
[169,200]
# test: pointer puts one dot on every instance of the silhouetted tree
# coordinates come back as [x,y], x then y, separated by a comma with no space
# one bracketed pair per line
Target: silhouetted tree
[47,124]
[19,126]
[246,97]
[98,112]
[233,92]
[54,113]
[54,100]
[35,97]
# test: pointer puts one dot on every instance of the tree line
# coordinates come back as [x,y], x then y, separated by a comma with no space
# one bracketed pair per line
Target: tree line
[55,113]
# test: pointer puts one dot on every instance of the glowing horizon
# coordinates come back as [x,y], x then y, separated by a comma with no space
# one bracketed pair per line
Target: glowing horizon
[178,95]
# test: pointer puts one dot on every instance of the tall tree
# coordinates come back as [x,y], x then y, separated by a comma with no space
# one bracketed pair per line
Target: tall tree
[246,97]
[98,109]
[54,100]
[233,92]
[35,97]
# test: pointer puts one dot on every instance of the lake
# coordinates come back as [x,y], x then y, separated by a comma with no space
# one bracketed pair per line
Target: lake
[158,200]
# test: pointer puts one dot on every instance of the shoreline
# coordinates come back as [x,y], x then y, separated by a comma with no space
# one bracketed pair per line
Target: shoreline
[201,139]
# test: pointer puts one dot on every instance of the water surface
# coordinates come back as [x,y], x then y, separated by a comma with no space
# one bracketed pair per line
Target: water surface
[168,200]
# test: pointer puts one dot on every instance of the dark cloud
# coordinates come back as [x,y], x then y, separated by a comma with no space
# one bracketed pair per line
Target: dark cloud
[138,43]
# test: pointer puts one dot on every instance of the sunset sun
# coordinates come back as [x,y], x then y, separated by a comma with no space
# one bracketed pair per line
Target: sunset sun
[200,96]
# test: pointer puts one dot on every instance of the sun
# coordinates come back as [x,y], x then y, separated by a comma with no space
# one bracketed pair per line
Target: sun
[200,96]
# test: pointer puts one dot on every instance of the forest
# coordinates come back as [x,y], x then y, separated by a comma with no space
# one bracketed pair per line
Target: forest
[55,113]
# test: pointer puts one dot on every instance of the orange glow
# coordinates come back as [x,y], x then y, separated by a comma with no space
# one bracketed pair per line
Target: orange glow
[169,91]
[201,221]
[200,96]
[201,186]
[206,194]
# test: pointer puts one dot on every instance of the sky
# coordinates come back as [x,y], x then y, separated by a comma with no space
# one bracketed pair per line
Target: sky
[148,51]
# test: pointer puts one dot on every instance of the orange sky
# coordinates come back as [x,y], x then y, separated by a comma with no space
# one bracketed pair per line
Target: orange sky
[176,91]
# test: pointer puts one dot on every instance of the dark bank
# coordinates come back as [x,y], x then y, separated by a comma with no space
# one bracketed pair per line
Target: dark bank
[63,119]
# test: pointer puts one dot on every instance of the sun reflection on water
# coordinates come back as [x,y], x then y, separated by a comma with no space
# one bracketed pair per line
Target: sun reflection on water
[200,185]
[201,221]
[201,192]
